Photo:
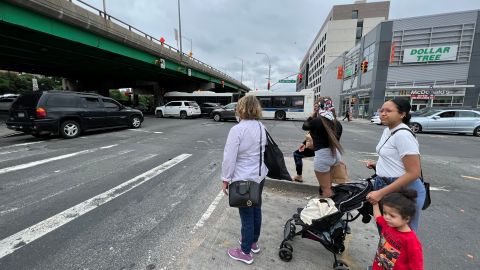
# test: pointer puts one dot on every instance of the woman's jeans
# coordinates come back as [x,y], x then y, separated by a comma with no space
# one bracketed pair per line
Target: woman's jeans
[251,224]
[381,182]
[251,218]
[298,156]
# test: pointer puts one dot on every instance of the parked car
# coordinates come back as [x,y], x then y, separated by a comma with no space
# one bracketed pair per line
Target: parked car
[226,112]
[208,107]
[448,120]
[69,114]
[376,120]
[6,102]
[183,109]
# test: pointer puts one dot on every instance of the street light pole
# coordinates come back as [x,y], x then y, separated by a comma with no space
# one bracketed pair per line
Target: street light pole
[352,77]
[191,43]
[180,30]
[241,75]
[269,67]
[104,10]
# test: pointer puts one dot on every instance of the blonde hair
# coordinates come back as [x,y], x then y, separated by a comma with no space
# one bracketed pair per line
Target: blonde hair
[249,108]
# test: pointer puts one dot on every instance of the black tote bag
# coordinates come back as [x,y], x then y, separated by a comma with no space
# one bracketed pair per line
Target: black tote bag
[274,161]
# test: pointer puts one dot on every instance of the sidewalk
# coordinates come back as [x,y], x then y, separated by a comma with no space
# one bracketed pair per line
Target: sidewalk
[280,201]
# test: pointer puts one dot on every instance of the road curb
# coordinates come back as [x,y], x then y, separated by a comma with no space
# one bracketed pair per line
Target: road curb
[291,186]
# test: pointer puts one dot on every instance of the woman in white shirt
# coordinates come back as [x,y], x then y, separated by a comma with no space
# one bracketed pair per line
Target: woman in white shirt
[242,161]
[398,164]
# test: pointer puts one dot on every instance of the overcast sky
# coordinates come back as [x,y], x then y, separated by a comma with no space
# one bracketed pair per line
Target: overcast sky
[223,31]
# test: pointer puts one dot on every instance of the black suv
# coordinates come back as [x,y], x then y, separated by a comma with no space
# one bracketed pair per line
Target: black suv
[69,113]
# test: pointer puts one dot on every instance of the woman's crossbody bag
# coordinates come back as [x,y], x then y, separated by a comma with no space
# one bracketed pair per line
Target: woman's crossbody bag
[246,193]
[428,200]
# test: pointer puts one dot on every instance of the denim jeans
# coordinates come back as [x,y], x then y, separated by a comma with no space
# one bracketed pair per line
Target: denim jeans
[298,156]
[251,218]
[251,224]
[381,182]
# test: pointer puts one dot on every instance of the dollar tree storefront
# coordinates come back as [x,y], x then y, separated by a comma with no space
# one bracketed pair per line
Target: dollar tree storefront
[430,60]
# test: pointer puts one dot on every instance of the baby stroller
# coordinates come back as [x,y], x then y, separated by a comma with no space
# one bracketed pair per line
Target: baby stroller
[331,230]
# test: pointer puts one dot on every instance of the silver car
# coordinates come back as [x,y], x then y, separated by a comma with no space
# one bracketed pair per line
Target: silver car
[466,121]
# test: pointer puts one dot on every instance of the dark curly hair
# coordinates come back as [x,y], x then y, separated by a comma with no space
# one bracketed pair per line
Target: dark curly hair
[403,201]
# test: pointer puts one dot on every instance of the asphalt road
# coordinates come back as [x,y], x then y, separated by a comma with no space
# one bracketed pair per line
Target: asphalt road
[170,172]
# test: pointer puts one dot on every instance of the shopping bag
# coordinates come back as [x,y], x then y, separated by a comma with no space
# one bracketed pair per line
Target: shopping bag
[339,173]
[274,160]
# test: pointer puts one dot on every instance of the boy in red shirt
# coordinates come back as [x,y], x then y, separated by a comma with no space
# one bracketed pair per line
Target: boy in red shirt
[399,247]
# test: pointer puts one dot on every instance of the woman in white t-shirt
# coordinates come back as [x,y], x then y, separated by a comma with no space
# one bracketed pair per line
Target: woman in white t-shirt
[398,164]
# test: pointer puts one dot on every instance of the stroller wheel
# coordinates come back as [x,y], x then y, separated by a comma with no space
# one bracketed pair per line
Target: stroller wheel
[288,246]
[285,254]
[340,265]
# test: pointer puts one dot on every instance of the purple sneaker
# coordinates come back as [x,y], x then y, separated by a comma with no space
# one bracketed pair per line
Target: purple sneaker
[237,254]
[255,248]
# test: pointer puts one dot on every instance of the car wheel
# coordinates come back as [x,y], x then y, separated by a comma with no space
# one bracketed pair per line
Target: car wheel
[280,115]
[476,132]
[183,114]
[69,129]
[416,127]
[217,117]
[135,121]
[159,114]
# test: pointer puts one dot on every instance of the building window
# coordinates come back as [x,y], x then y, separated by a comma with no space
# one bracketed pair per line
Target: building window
[354,14]
[359,32]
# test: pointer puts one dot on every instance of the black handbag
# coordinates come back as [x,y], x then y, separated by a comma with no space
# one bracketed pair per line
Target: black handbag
[244,194]
[428,200]
[274,161]
[247,193]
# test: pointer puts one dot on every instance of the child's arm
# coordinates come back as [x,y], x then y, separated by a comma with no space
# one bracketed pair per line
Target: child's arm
[376,210]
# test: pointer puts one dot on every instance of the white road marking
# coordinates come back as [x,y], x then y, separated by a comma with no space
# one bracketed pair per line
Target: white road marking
[20,144]
[147,131]
[39,162]
[32,233]
[207,213]
[471,177]
[439,188]
[15,151]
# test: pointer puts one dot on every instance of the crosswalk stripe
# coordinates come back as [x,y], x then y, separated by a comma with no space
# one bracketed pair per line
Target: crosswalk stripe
[39,162]
[32,233]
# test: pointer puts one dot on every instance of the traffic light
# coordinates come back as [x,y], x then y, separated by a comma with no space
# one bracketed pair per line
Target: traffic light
[300,77]
[364,66]
[340,72]
[223,84]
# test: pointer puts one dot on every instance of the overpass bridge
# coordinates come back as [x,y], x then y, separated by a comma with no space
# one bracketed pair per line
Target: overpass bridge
[96,52]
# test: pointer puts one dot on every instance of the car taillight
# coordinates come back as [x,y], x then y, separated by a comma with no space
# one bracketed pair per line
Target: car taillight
[41,113]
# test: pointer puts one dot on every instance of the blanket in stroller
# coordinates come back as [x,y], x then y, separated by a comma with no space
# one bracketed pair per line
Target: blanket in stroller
[316,209]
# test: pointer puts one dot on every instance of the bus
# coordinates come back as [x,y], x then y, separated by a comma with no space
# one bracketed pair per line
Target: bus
[202,97]
[285,105]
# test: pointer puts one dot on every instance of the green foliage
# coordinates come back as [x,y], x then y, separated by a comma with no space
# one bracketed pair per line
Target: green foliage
[117,95]
[13,83]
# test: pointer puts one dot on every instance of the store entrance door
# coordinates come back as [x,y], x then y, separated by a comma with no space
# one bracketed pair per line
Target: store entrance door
[418,104]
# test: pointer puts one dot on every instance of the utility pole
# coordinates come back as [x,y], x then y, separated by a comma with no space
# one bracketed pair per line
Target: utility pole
[241,75]
[180,30]
[269,67]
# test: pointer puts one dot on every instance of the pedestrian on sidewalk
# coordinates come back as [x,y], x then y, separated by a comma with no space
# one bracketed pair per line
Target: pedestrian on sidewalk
[347,116]
[398,164]
[325,131]
[399,247]
[303,152]
[241,161]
